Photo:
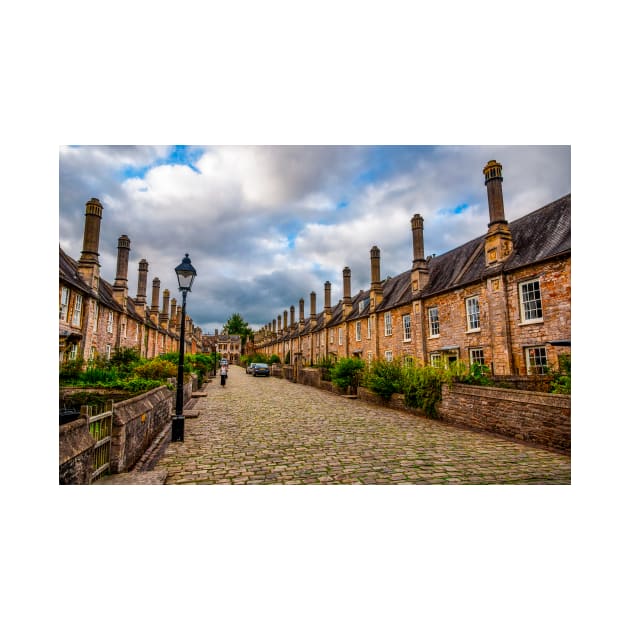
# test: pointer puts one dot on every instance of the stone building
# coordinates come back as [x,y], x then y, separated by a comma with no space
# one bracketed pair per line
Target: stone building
[96,317]
[502,300]
[227,346]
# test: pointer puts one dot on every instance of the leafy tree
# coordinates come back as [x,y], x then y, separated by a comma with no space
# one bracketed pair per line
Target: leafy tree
[236,325]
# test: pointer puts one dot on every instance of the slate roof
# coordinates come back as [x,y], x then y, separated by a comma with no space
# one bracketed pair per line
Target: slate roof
[69,273]
[540,235]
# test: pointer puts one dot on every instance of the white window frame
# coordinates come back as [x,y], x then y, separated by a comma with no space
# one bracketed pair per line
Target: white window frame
[110,321]
[369,327]
[388,324]
[434,321]
[435,359]
[332,335]
[357,330]
[108,352]
[76,311]
[536,364]
[72,355]
[406,323]
[340,336]
[64,302]
[473,314]
[525,307]
[95,328]
[408,360]
[92,353]
[473,359]
[389,356]
[369,357]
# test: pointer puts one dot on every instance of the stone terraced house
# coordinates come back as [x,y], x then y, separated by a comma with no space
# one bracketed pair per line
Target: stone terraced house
[96,317]
[502,300]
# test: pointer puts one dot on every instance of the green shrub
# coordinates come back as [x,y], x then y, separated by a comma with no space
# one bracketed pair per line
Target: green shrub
[347,373]
[561,380]
[422,388]
[325,364]
[384,378]
[274,358]
[476,374]
[70,370]
[155,369]
[125,359]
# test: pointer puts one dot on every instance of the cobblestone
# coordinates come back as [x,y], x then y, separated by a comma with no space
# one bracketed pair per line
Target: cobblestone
[259,430]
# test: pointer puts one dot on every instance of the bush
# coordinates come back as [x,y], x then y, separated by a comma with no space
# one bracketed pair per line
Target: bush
[325,364]
[347,373]
[70,370]
[274,358]
[384,378]
[561,380]
[155,369]
[422,388]
[476,374]
[125,359]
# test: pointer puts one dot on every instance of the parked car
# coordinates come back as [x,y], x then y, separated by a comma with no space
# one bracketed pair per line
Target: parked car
[248,369]
[260,369]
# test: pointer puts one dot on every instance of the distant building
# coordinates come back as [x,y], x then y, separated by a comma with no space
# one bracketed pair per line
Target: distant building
[502,300]
[228,346]
[96,318]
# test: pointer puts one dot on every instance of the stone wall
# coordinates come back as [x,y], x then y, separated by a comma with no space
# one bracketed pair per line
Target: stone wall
[543,419]
[76,446]
[136,423]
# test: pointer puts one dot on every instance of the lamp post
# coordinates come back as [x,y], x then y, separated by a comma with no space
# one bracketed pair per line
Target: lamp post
[185,275]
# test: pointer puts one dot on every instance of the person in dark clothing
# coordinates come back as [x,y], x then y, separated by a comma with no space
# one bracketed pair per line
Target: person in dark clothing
[223,374]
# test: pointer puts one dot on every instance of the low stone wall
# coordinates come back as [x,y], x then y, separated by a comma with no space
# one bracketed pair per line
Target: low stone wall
[535,417]
[76,446]
[136,423]
[309,376]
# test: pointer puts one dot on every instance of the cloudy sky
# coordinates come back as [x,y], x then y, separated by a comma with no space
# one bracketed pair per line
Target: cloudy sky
[266,225]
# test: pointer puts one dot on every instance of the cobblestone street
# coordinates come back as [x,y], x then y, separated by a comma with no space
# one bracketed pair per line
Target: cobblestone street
[260,430]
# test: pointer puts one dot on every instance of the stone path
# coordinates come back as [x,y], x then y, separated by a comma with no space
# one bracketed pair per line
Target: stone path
[260,430]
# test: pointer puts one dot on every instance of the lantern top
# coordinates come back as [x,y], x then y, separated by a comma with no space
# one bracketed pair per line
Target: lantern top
[185,274]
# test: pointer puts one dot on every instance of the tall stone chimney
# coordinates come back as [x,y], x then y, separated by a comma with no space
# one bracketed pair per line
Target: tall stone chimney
[420,267]
[88,265]
[498,244]
[164,314]
[376,288]
[327,307]
[141,297]
[279,325]
[155,300]
[172,322]
[285,328]
[313,308]
[301,312]
[120,288]
[292,309]
[347,293]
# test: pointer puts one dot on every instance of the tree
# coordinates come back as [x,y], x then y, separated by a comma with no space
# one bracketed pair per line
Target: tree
[236,325]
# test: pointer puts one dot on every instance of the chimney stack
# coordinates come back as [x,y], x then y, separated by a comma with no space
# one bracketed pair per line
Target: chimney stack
[285,321]
[88,262]
[327,307]
[141,297]
[172,324]
[313,308]
[155,300]
[347,294]
[420,267]
[120,288]
[498,245]
[301,312]
[376,288]
[292,317]
[164,314]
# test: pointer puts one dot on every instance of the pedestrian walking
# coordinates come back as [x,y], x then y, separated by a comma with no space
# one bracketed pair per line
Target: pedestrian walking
[223,374]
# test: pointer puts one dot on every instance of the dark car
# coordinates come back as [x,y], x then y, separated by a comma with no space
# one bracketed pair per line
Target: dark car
[248,369]
[260,369]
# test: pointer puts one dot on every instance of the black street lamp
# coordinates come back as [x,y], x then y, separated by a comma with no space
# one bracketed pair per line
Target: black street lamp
[185,275]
